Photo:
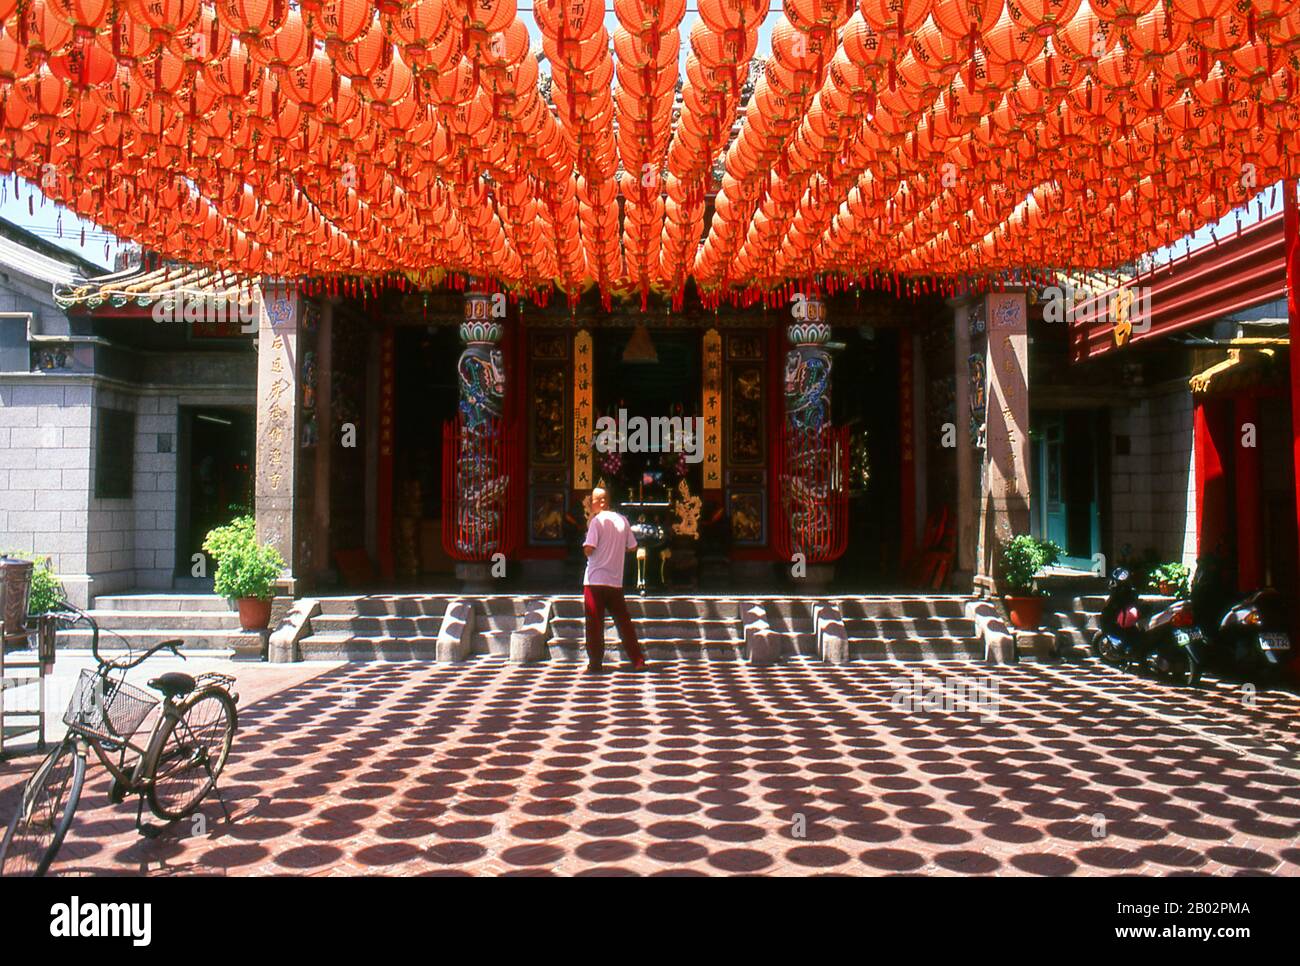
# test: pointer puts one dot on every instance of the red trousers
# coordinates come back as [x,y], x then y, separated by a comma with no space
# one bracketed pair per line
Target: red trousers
[596,600]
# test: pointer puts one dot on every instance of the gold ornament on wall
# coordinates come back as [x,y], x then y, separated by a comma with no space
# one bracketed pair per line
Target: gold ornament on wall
[687,508]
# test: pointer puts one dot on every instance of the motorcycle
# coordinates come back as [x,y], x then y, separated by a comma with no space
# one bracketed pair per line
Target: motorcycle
[1119,626]
[1168,643]
[1252,638]
[1175,646]
[1244,635]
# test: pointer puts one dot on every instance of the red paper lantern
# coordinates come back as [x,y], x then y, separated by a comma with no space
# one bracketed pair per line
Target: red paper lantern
[164,18]
[84,16]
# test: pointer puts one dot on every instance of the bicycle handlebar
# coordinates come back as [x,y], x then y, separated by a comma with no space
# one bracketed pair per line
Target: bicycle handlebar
[169,645]
[94,627]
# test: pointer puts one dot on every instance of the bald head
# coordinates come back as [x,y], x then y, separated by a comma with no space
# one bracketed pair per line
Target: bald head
[599,499]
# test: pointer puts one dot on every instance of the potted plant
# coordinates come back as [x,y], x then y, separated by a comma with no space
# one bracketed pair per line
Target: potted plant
[1172,580]
[46,598]
[246,570]
[1023,558]
[46,593]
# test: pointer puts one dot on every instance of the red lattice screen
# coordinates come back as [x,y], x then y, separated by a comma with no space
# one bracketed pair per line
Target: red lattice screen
[813,477]
[482,489]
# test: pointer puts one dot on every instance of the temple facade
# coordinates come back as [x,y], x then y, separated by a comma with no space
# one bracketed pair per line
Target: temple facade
[865,441]
[441,439]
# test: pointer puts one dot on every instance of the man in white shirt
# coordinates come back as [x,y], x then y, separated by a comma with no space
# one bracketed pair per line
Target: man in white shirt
[609,539]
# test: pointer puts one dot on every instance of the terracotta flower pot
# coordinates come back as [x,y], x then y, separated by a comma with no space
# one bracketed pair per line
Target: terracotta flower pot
[1026,612]
[254,614]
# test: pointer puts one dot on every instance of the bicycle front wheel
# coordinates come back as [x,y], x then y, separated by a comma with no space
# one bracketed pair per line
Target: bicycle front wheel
[44,813]
[193,747]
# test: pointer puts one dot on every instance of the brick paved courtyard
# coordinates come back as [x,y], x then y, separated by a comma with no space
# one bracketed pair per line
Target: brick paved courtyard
[717,768]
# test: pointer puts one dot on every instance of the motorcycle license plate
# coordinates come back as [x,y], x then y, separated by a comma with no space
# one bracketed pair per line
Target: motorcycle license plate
[1275,642]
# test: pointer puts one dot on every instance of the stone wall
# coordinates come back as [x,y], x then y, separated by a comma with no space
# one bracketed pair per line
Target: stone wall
[49,421]
[48,505]
[1153,484]
[132,541]
[45,476]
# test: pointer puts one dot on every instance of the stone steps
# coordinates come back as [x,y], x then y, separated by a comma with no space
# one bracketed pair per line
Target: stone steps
[495,641]
[387,605]
[379,626]
[659,608]
[203,622]
[80,638]
[918,627]
[655,650]
[895,628]
[667,628]
[348,647]
[575,628]
[167,603]
[908,627]
[903,607]
[786,609]
[405,626]
[375,627]
[187,621]
[918,649]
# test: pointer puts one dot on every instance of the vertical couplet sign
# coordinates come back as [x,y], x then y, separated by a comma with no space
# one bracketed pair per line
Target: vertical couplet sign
[582,422]
[712,410]
[907,453]
[387,564]
[277,418]
[1007,435]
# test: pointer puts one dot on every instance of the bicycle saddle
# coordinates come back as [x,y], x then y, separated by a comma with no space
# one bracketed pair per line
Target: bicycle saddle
[173,684]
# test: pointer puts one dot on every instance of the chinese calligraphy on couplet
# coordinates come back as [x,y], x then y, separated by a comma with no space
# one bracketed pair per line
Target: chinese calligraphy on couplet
[712,410]
[583,428]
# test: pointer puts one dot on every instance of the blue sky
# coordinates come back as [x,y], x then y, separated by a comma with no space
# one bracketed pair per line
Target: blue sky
[45,220]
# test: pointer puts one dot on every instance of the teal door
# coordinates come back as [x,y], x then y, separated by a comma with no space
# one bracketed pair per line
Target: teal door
[1064,490]
[1050,469]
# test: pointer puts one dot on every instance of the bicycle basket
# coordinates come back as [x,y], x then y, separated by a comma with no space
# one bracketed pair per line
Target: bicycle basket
[107,709]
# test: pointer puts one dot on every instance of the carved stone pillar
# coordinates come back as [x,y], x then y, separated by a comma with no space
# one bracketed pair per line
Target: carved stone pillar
[277,421]
[971,400]
[1005,505]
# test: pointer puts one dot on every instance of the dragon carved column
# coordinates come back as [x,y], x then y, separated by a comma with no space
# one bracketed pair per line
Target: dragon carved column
[480,478]
[805,475]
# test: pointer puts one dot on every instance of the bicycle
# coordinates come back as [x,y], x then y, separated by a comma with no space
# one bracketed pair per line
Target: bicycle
[175,769]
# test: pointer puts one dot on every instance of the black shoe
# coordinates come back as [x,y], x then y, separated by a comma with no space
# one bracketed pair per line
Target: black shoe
[594,669]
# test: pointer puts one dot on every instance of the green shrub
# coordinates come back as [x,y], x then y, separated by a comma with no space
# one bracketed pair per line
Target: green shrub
[47,593]
[1023,557]
[239,531]
[1175,574]
[245,568]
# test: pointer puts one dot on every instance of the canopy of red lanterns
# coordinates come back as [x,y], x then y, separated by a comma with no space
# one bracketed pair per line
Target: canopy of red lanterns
[406,139]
